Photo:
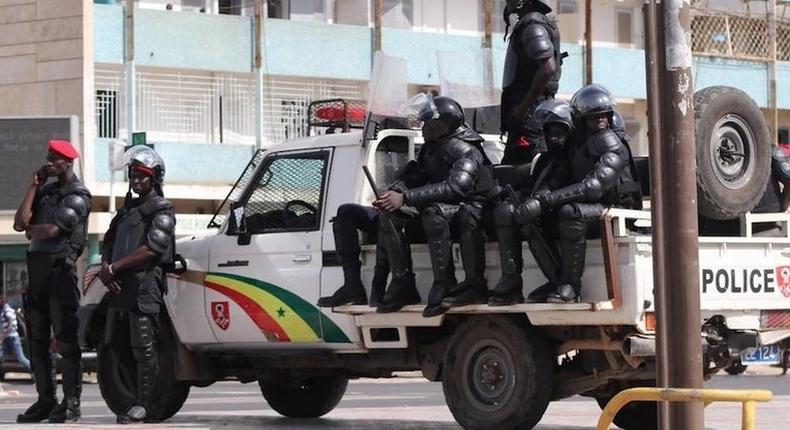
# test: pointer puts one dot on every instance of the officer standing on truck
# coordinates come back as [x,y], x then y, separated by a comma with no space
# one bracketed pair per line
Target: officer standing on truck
[137,247]
[602,175]
[350,218]
[549,173]
[54,216]
[532,74]
[447,184]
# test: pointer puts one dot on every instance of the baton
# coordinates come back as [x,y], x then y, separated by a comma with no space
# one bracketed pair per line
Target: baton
[371,181]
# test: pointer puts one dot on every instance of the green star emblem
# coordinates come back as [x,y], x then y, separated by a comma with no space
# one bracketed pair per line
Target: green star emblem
[280,313]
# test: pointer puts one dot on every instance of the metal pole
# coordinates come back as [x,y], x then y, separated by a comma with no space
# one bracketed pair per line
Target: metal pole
[378,6]
[656,197]
[488,44]
[588,49]
[772,90]
[130,84]
[678,169]
[258,72]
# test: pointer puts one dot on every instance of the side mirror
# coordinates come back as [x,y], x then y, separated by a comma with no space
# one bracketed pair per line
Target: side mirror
[237,225]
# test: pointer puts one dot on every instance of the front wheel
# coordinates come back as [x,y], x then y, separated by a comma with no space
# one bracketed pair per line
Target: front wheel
[117,376]
[307,397]
[736,368]
[497,374]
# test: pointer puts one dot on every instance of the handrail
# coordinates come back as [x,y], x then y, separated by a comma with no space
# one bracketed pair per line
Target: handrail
[747,397]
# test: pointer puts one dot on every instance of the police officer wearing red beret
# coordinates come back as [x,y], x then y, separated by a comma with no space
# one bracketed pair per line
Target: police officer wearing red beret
[54,216]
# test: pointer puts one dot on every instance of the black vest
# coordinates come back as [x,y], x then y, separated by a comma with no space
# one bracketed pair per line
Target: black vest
[520,70]
[47,203]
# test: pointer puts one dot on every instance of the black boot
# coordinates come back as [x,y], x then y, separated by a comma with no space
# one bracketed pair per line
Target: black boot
[37,412]
[467,293]
[401,292]
[540,294]
[351,293]
[565,293]
[508,290]
[68,411]
[381,272]
[435,297]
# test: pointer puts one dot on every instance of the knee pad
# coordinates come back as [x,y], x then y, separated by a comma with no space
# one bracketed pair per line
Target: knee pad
[503,214]
[433,221]
[469,218]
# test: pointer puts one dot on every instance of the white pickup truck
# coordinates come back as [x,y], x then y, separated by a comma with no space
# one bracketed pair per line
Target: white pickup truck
[244,309]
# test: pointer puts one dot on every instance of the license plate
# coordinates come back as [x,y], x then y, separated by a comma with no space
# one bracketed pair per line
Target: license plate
[768,354]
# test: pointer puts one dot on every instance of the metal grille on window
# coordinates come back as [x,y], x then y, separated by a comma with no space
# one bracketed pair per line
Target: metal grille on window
[287,196]
[235,193]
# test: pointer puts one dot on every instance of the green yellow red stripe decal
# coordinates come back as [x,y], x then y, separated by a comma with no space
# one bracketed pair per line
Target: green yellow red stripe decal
[281,315]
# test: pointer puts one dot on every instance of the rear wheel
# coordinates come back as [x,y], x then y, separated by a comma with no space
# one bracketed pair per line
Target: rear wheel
[309,397]
[117,376]
[497,374]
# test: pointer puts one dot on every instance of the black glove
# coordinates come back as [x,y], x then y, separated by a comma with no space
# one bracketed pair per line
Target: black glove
[527,211]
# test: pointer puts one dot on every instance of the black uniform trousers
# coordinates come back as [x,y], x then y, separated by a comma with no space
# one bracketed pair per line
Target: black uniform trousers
[50,304]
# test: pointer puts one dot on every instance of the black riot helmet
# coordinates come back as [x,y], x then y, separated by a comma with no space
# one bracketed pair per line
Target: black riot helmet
[557,122]
[522,6]
[554,111]
[589,101]
[448,118]
[592,100]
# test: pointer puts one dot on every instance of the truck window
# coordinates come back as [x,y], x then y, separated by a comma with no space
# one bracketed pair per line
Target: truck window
[287,195]
[392,153]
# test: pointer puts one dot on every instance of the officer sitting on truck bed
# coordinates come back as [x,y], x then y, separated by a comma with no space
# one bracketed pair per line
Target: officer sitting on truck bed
[602,174]
[446,186]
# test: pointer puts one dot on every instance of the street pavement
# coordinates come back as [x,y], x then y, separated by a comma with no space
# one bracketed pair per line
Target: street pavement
[399,403]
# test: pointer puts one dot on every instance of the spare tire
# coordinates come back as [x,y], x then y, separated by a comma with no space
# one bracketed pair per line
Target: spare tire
[733,148]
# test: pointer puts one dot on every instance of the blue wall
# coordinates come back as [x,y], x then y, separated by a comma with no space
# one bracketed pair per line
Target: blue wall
[224,43]
[188,163]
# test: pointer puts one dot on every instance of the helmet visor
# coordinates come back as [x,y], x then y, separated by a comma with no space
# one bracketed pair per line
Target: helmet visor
[420,108]
[142,155]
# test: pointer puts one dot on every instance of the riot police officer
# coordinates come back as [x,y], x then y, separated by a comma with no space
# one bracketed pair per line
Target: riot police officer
[549,173]
[350,218]
[54,217]
[531,75]
[447,184]
[139,242]
[602,174]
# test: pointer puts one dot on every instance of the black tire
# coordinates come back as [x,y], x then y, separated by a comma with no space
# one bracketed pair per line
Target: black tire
[736,368]
[116,374]
[634,415]
[309,397]
[497,374]
[729,123]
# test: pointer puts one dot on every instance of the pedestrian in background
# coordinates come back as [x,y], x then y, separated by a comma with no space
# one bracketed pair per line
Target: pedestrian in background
[12,344]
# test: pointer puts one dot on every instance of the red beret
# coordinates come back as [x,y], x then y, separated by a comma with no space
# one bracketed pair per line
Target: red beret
[64,148]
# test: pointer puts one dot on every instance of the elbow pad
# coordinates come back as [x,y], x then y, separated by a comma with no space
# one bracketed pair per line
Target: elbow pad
[462,177]
[780,165]
[160,233]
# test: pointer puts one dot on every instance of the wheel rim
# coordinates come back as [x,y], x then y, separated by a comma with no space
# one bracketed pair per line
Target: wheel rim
[732,149]
[490,374]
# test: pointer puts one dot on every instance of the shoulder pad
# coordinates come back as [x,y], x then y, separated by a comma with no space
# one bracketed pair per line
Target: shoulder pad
[536,41]
[456,148]
[468,135]
[76,202]
[155,204]
[780,164]
[605,141]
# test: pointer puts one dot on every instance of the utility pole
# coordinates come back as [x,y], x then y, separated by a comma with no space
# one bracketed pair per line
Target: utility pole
[654,137]
[488,45]
[258,72]
[772,95]
[679,322]
[131,89]
[378,6]
[588,50]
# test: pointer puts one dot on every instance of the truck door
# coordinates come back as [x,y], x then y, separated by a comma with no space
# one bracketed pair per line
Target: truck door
[263,280]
